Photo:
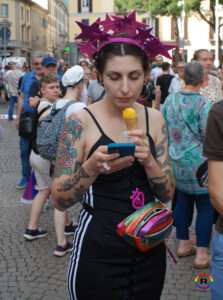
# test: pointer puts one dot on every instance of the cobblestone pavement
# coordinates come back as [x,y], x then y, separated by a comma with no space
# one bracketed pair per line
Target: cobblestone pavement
[29,270]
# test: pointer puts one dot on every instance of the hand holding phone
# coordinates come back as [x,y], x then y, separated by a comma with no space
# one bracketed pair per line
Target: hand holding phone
[124,149]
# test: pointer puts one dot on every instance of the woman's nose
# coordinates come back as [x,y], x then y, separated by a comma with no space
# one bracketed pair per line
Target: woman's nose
[125,86]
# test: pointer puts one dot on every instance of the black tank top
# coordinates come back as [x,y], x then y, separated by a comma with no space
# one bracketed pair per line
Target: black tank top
[112,192]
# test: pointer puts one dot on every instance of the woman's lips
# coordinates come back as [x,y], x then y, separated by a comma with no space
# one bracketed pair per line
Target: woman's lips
[124,99]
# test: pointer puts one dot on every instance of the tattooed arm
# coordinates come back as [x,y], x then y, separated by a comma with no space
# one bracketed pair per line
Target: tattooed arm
[159,171]
[72,176]
[160,176]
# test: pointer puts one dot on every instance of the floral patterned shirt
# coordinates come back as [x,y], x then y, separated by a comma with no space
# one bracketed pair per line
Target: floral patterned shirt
[212,91]
[186,116]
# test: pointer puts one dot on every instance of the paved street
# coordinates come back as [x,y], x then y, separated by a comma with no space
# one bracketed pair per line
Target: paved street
[29,270]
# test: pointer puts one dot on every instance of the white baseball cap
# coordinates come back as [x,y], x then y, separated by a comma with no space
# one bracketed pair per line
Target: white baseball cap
[73,76]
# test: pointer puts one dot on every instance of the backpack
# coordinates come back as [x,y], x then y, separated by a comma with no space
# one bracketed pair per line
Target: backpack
[149,93]
[49,130]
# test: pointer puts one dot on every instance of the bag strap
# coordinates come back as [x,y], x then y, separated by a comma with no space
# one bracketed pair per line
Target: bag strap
[64,108]
[170,253]
[100,97]
[178,102]
[202,169]
[43,110]
[68,104]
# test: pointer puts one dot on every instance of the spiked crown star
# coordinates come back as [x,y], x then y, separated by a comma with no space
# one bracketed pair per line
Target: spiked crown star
[101,33]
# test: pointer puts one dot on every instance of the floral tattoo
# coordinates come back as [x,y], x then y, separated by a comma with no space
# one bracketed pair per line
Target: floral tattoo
[66,152]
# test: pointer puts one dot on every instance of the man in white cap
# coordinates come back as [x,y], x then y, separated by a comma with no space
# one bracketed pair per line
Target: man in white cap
[73,81]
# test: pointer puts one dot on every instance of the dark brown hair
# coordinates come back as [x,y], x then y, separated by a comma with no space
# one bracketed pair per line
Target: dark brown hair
[119,49]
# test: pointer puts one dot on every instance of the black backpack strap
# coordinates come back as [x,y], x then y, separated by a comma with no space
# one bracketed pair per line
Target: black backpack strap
[201,172]
[43,110]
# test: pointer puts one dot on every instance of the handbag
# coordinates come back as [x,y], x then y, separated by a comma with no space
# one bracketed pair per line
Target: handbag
[202,174]
[26,122]
[147,227]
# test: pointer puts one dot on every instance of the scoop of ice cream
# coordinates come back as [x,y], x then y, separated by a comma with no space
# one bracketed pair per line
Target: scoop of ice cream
[131,118]
[129,113]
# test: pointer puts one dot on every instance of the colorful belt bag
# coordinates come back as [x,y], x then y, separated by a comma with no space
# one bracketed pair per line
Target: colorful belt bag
[147,227]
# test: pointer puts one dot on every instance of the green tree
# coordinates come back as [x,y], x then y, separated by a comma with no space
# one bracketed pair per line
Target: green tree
[208,15]
[127,5]
[155,8]
[170,8]
[173,9]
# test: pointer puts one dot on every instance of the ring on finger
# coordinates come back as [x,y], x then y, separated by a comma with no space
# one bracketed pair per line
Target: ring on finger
[144,142]
[106,166]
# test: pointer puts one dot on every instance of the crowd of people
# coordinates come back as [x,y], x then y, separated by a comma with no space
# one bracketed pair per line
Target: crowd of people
[171,142]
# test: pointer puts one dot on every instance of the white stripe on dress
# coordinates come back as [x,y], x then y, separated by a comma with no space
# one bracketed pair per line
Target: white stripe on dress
[91,196]
[84,221]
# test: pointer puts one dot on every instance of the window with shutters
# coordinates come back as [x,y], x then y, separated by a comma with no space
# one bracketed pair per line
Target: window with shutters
[154,23]
[84,6]
[4,10]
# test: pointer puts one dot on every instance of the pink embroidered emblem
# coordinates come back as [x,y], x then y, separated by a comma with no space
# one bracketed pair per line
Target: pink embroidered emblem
[137,198]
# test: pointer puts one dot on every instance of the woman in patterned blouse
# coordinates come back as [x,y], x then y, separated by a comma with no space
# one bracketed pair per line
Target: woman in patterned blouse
[186,114]
[211,87]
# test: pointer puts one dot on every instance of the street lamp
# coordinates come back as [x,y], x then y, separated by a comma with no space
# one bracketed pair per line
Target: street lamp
[181,3]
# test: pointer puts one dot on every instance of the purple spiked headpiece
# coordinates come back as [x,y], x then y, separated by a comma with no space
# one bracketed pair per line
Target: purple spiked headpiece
[139,34]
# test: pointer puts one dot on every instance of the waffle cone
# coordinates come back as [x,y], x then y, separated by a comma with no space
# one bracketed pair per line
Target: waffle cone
[131,123]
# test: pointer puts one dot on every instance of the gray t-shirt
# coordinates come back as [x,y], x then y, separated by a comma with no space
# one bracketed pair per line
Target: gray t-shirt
[95,90]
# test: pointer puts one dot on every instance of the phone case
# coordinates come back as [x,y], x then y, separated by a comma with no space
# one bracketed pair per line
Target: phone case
[124,149]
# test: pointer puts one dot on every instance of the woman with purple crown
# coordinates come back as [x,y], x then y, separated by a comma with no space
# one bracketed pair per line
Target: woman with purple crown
[102,265]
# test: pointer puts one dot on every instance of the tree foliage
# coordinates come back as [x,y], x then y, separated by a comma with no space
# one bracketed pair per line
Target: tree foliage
[128,5]
[164,8]
[174,9]
[206,13]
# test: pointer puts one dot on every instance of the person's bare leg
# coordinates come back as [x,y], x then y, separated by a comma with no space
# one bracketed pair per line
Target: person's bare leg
[37,207]
[68,219]
[184,246]
[202,256]
[193,238]
[59,223]
[3,95]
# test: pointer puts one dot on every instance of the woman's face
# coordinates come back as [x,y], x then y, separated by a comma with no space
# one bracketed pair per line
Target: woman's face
[50,91]
[123,79]
[205,58]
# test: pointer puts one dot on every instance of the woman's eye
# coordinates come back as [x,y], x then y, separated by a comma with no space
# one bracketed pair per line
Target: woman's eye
[113,78]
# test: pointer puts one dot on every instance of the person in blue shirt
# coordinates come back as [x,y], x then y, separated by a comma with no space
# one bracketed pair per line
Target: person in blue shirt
[23,105]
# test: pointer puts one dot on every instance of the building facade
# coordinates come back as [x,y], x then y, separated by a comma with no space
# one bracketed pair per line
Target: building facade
[18,16]
[58,27]
[34,27]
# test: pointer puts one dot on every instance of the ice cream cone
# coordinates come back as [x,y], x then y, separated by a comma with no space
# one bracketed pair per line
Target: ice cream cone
[131,118]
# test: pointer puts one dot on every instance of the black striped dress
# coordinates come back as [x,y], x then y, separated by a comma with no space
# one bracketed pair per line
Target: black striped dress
[102,265]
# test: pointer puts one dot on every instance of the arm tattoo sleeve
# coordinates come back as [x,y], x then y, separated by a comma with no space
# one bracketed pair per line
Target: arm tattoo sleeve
[66,152]
[73,188]
[160,148]
[69,201]
[158,185]
[71,182]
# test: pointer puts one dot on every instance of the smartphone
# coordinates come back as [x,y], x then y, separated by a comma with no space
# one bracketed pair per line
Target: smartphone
[124,149]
